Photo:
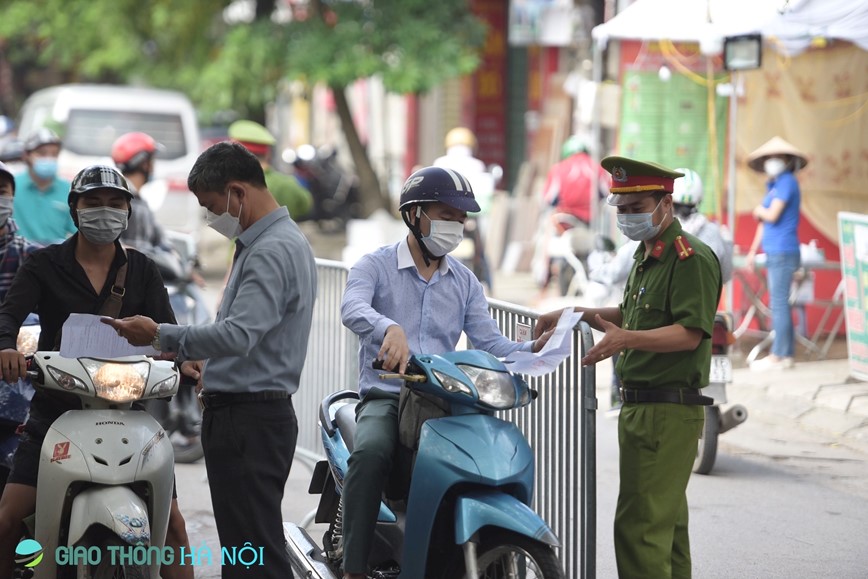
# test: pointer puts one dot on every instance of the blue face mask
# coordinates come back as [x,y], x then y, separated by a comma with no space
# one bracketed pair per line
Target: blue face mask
[639,226]
[45,167]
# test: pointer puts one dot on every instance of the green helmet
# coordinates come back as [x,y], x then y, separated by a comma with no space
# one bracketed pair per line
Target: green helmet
[573,145]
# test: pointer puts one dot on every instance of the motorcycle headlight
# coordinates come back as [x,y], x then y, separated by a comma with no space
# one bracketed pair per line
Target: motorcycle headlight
[117,381]
[496,389]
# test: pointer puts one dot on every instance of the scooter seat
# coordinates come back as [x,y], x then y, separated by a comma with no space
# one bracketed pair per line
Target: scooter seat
[345,420]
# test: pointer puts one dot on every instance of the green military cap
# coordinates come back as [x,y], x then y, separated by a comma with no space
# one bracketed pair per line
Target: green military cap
[252,135]
[632,179]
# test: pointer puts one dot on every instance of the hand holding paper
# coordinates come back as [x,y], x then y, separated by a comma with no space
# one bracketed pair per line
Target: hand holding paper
[552,354]
[86,335]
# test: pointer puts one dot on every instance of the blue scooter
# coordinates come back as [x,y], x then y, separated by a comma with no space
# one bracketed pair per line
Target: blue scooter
[467,511]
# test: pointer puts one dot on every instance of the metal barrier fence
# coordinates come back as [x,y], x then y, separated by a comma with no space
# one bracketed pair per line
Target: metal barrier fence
[560,425]
[332,362]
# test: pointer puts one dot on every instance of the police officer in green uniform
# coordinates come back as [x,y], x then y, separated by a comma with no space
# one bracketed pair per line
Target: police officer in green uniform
[285,188]
[663,330]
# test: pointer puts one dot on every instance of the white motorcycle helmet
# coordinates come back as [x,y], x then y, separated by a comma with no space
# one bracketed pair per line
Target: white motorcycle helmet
[687,190]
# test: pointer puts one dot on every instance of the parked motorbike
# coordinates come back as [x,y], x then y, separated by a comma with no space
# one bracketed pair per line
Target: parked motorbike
[467,512]
[562,249]
[181,416]
[336,197]
[106,471]
[717,422]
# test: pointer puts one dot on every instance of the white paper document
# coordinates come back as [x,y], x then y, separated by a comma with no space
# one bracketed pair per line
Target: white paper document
[552,354]
[85,336]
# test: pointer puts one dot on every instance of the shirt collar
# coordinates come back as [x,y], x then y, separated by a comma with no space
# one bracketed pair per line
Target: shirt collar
[405,258]
[66,256]
[661,246]
[249,235]
[27,182]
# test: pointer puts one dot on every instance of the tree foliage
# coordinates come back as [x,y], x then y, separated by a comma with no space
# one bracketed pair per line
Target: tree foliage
[231,64]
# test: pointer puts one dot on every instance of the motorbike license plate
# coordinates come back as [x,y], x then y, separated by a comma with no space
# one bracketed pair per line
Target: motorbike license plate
[721,369]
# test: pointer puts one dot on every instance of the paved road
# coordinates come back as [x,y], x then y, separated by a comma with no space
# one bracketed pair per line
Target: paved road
[195,501]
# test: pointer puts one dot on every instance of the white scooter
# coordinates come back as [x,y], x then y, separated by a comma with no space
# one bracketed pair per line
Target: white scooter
[106,471]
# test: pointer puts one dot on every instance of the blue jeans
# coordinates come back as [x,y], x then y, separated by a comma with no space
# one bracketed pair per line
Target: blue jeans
[781,267]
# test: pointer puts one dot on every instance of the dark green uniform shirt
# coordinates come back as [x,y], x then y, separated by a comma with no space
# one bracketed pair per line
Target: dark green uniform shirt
[678,283]
[289,192]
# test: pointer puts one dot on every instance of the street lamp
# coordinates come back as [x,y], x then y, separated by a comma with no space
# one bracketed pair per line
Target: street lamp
[744,52]
[740,53]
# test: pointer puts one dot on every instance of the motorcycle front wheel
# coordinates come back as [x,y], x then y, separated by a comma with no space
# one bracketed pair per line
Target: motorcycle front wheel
[706,451]
[505,555]
[107,570]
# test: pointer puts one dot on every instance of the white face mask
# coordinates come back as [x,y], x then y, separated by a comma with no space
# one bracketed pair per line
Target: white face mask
[5,210]
[774,166]
[639,226]
[443,237]
[102,225]
[225,224]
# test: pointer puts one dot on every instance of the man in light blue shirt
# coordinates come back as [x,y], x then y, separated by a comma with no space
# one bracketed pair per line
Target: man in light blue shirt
[254,354]
[41,210]
[408,298]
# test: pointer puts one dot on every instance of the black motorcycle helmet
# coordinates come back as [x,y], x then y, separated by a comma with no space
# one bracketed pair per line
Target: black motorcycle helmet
[96,177]
[41,136]
[430,185]
[433,184]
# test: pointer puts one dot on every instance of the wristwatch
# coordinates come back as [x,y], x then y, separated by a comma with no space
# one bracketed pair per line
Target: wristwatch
[155,343]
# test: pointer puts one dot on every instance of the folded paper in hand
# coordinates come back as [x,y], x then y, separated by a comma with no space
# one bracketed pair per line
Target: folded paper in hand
[85,336]
[552,354]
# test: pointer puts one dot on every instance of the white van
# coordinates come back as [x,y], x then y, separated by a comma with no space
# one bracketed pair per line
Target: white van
[90,118]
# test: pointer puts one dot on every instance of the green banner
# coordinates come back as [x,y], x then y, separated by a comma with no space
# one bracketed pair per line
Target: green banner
[853,238]
[667,122]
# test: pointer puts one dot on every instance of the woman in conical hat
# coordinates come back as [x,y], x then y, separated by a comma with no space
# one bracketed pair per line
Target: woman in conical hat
[776,147]
[778,217]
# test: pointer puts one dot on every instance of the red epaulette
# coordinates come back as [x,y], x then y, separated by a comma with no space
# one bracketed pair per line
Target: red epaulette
[658,249]
[683,247]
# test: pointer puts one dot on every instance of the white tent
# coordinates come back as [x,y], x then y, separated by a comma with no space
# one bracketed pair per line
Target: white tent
[686,20]
[808,19]
[792,24]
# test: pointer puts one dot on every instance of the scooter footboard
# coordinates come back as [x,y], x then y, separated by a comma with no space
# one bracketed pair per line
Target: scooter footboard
[118,509]
[475,510]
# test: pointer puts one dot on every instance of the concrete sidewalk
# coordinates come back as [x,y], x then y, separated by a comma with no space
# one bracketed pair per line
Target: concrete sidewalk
[819,396]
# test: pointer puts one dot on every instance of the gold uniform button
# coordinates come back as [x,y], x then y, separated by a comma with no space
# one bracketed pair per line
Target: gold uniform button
[626,326]
[634,296]
[647,306]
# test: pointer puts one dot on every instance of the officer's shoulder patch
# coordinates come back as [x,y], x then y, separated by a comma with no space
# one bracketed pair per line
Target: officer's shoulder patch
[682,246]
